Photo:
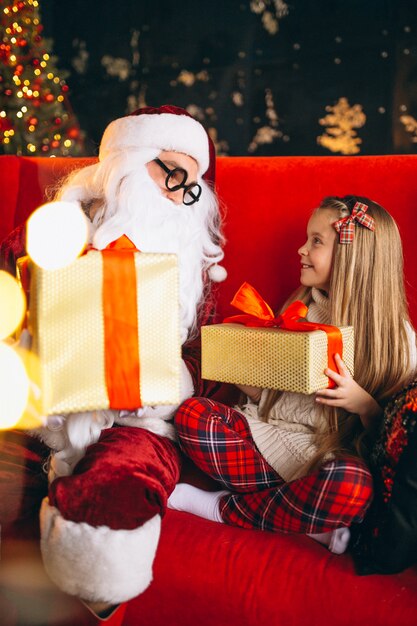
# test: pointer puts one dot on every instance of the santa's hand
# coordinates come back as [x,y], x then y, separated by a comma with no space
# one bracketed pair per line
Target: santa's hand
[135,413]
[164,412]
[53,433]
[152,418]
[348,395]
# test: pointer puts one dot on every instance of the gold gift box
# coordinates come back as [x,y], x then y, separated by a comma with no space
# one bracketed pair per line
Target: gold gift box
[270,358]
[67,323]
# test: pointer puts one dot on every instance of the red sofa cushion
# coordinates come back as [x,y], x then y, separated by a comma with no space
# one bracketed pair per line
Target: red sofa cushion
[211,574]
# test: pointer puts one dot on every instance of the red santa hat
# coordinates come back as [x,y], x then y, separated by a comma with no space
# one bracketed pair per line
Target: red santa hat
[165,128]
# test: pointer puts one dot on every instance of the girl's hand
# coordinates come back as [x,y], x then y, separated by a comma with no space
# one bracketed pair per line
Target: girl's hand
[254,393]
[349,395]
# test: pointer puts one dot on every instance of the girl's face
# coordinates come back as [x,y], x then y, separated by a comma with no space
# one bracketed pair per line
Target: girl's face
[317,252]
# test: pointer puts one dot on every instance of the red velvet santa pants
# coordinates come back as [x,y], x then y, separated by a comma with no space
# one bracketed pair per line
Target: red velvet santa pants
[218,439]
[108,514]
[123,480]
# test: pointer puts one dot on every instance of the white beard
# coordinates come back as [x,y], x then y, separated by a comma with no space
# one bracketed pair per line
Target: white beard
[155,224]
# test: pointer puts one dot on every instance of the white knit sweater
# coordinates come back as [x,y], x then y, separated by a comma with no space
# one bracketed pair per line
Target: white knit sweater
[287,440]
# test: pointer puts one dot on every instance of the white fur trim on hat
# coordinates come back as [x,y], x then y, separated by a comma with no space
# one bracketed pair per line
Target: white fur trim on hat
[164,131]
[97,564]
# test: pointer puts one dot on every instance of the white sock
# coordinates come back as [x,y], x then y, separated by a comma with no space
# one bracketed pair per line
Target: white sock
[336,540]
[196,501]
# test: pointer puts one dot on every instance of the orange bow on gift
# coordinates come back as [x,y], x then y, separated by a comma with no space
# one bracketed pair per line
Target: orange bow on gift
[259,314]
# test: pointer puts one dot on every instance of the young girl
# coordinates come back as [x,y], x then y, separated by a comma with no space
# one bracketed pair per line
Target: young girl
[294,462]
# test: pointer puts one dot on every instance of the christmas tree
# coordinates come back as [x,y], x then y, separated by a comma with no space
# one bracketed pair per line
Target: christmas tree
[35,115]
[340,123]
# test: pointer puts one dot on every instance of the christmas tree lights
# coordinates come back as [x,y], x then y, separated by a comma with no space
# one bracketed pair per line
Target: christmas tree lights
[35,116]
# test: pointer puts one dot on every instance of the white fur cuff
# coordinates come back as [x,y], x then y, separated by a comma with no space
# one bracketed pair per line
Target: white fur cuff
[97,564]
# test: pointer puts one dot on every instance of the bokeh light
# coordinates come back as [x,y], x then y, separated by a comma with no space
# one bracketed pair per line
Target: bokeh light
[32,416]
[12,304]
[14,387]
[57,233]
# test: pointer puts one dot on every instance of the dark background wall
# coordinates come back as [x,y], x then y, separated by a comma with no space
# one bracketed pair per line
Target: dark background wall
[258,74]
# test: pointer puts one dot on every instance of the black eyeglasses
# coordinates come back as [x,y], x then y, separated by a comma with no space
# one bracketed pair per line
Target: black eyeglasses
[177,179]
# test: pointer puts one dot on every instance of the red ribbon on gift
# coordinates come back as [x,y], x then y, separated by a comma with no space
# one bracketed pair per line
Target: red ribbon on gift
[121,342]
[259,314]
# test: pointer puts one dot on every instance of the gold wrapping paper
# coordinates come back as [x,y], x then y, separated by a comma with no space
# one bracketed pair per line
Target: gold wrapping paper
[66,320]
[270,358]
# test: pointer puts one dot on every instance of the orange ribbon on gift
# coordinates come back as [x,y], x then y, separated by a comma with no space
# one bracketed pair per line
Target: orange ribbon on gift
[121,340]
[259,314]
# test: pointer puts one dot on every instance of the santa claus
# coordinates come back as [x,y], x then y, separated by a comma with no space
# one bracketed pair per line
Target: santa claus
[154,184]
[100,523]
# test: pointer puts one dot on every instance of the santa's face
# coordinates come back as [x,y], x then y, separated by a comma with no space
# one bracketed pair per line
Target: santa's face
[138,204]
[172,160]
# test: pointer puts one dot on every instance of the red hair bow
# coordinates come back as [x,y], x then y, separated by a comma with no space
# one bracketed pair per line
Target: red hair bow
[346,226]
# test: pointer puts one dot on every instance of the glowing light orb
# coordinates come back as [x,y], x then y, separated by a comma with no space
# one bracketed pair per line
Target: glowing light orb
[57,233]
[14,387]
[12,304]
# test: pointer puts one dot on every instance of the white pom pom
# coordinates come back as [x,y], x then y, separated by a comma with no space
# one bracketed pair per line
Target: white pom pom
[217,273]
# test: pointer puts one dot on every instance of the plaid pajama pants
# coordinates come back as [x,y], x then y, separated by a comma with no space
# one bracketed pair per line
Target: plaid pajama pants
[218,439]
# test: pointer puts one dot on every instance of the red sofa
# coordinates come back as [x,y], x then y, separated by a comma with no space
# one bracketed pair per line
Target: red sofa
[208,573]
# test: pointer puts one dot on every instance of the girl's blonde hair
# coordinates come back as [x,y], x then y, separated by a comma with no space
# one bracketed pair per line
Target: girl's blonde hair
[367,292]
